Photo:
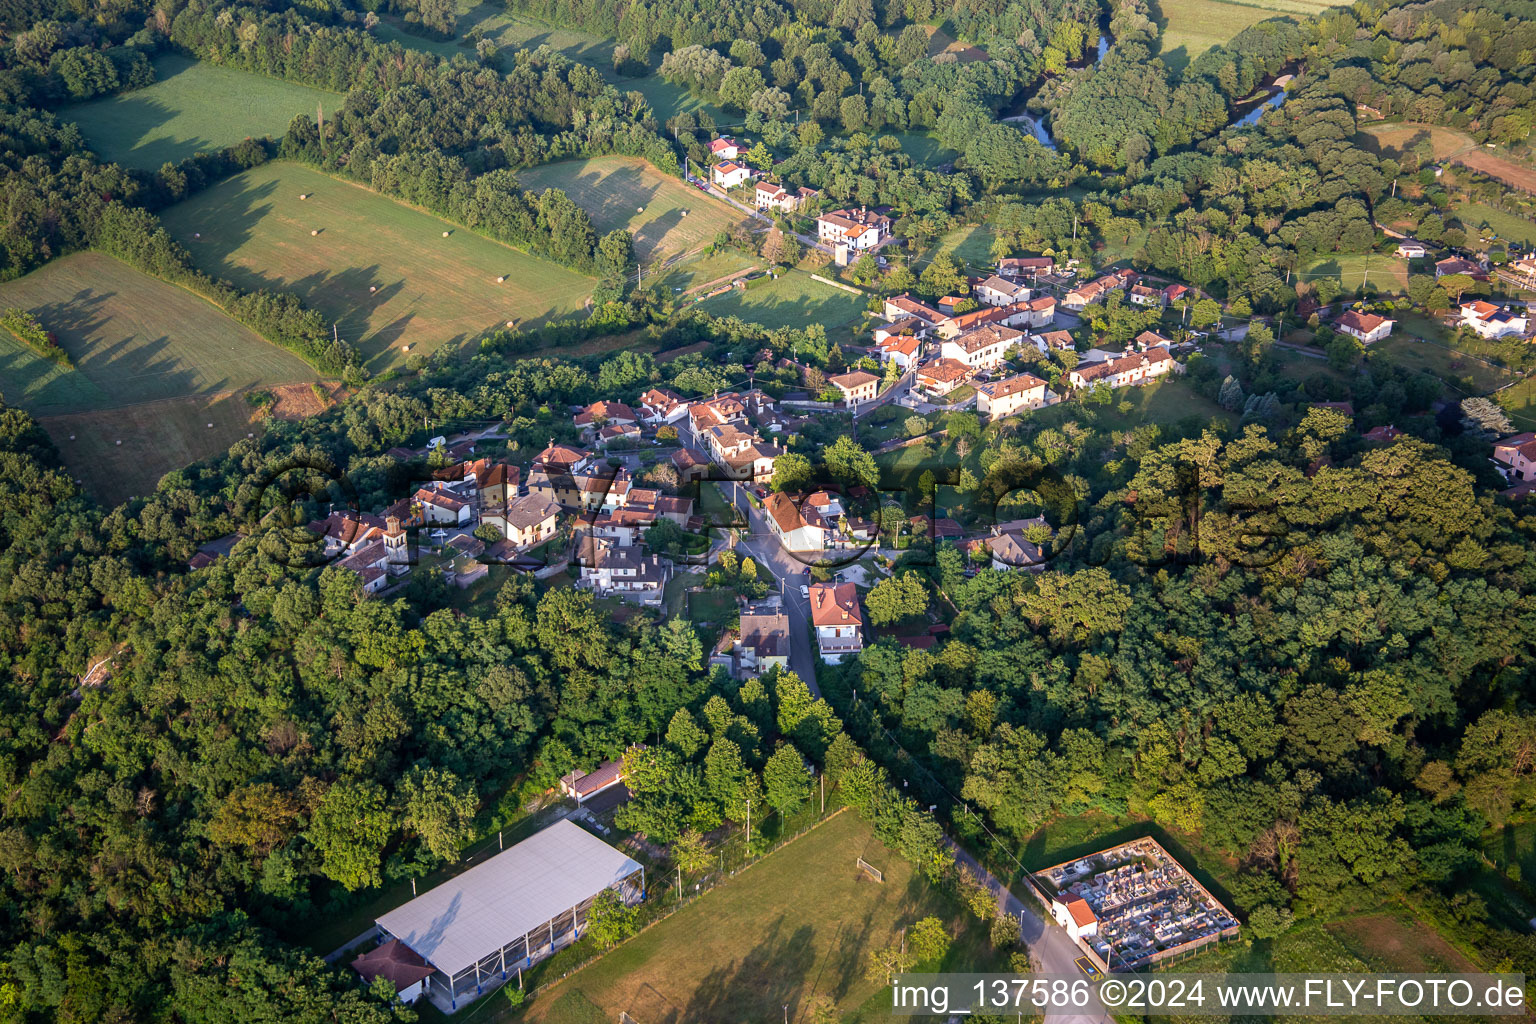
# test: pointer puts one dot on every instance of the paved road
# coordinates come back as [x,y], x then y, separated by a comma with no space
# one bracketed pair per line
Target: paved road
[789,574]
[1053,952]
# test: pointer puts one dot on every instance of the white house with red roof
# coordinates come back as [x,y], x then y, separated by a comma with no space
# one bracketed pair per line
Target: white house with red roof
[838,619]
[798,526]
[901,349]
[1074,914]
[1490,321]
[728,175]
[660,405]
[1368,327]
[858,229]
[724,149]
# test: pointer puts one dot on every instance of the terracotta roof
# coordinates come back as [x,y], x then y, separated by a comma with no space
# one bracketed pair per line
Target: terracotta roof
[1362,322]
[1081,912]
[944,370]
[854,380]
[1010,385]
[835,605]
[987,337]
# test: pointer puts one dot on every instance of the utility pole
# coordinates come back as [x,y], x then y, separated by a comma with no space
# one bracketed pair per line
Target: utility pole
[823,792]
[749,827]
[679,883]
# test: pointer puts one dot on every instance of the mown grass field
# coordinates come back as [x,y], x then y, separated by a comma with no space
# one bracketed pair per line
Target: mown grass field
[676,217]
[795,925]
[427,291]
[132,338]
[1506,225]
[1190,27]
[793,300]
[156,437]
[192,108]
[972,245]
[1387,274]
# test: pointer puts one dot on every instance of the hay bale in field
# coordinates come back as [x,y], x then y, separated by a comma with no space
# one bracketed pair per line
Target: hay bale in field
[303,195]
[373,288]
[445,234]
[315,232]
[502,279]
[639,209]
[511,323]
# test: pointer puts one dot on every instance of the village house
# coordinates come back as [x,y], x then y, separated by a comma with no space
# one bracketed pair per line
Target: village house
[754,463]
[1007,547]
[612,433]
[526,521]
[690,465]
[858,229]
[858,386]
[798,526]
[729,175]
[1523,270]
[724,148]
[500,484]
[956,324]
[773,196]
[1457,265]
[1368,327]
[904,307]
[1086,294]
[761,641]
[609,569]
[347,531]
[659,405]
[624,526]
[398,964]
[1489,321]
[378,560]
[999,291]
[1132,368]
[1000,398]
[1409,249]
[901,349]
[1517,456]
[603,413]
[1025,267]
[666,506]
[838,619]
[981,348]
[1148,340]
[1037,312]
[586,486]
[1141,295]
[1058,340]
[441,503]
[1173,293]
[941,376]
[910,325]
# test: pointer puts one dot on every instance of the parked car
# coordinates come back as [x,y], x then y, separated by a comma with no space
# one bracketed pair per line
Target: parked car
[805,591]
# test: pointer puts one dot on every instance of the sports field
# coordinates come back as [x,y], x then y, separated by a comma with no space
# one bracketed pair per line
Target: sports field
[1190,27]
[1387,274]
[381,270]
[132,339]
[793,300]
[193,108]
[665,215]
[797,924]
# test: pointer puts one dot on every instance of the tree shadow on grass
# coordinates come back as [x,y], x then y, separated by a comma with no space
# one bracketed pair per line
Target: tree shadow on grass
[756,987]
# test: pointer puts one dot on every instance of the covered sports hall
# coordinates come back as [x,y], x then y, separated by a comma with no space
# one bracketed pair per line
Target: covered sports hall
[514,909]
